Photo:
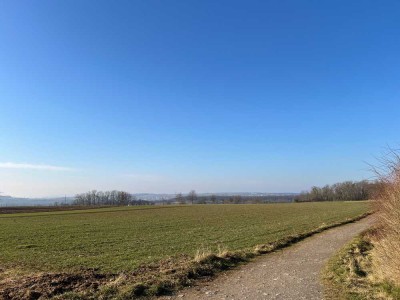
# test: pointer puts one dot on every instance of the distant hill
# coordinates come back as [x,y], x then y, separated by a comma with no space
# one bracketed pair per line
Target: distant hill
[15,201]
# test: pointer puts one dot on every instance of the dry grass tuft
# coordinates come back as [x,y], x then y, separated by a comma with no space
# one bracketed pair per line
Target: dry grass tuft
[349,274]
[203,255]
[222,251]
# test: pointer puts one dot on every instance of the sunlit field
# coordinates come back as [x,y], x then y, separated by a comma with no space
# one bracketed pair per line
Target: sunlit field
[120,239]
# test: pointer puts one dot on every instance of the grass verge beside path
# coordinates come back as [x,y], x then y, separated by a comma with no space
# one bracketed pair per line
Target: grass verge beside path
[349,274]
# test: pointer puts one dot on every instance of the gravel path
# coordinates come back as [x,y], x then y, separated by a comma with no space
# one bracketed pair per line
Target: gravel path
[292,273]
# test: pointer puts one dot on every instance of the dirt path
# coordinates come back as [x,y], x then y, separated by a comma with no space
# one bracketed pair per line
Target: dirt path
[292,273]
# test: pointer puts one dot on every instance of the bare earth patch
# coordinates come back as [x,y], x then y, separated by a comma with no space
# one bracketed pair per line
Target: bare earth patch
[47,285]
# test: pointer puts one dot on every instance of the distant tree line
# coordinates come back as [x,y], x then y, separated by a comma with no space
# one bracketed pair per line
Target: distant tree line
[193,198]
[343,191]
[108,198]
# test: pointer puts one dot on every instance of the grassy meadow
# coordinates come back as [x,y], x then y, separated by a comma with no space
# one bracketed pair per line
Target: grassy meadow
[120,239]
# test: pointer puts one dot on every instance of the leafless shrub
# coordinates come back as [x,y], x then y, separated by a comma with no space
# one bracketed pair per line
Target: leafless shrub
[386,252]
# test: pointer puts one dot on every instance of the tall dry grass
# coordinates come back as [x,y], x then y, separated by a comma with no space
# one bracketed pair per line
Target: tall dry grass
[386,253]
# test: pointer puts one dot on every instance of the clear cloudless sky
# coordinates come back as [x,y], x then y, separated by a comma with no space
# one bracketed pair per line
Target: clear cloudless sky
[216,96]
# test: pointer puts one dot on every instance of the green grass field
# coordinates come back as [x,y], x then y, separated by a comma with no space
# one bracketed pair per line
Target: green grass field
[118,239]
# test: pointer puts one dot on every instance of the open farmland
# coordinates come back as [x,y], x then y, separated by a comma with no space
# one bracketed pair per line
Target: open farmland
[120,239]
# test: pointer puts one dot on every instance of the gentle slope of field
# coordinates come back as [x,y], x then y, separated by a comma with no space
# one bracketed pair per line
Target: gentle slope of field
[120,239]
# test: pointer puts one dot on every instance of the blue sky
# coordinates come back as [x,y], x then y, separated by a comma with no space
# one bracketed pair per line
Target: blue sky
[168,96]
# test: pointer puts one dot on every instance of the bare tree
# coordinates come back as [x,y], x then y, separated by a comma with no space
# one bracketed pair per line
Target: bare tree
[115,198]
[179,198]
[348,190]
[213,199]
[237,199]
[192,196]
